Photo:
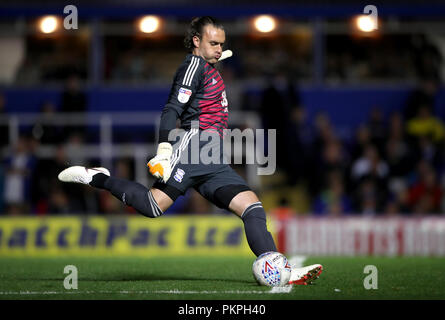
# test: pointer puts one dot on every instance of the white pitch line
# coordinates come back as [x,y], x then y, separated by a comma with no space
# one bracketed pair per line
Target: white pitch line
[135,292]
[295,261]
[285,289]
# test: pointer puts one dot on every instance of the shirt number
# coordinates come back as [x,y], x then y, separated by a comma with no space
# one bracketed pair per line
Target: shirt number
[224,101]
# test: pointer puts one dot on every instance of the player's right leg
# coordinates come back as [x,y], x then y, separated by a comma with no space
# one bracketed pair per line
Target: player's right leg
[149,202]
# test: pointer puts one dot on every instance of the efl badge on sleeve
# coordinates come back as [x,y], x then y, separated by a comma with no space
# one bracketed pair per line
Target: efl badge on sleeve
[184,95]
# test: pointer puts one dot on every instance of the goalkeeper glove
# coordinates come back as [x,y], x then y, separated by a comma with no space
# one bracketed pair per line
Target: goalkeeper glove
[160,165]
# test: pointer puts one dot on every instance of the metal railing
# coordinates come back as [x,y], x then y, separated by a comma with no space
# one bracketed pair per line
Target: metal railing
[105,149]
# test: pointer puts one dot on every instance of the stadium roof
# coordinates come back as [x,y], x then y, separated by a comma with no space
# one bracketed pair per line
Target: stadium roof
[223,9]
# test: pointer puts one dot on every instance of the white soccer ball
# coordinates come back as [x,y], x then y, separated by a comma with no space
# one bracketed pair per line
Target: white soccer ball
[271,269]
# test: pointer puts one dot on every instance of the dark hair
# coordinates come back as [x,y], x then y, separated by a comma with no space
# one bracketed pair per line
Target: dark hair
[196,28]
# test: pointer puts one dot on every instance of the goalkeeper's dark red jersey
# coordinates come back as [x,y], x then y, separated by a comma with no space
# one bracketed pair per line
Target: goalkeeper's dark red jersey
[197,94]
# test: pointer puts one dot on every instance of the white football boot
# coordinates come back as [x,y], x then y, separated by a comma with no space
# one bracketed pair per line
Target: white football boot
[79,174]
[305,275]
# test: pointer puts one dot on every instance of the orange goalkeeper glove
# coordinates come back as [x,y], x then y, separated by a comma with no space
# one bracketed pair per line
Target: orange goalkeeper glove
[160,166]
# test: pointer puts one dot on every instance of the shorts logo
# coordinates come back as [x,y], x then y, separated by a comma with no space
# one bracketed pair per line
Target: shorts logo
[179,175]
[184,95]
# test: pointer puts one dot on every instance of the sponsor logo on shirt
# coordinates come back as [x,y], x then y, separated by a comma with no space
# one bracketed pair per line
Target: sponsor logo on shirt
[184,95]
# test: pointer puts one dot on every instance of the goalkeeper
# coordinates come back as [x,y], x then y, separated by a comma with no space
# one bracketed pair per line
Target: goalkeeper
[197,96]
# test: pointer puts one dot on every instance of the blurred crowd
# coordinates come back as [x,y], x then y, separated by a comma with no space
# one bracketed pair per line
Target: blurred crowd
[392,57]
[138,60]
[392,164]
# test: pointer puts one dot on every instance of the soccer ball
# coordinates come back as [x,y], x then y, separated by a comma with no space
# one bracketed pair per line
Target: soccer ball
[271,269]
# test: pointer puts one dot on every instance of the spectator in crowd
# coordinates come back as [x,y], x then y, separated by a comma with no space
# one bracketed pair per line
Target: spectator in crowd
[425,124]
[361,141]
[132,68]
[397,152]
[367,197]
[73,100]
[422,96]
[429,151]
[369,176]
[396,126]
[19,167]
[398,157]
[370,165]
[45,182]
[324,153]
[401,159]
[377,128]
[425,195]
[277,101]
[332,159]
[4,129]
[283,210]
[397,201]
[73,151]
[333,200]
[29,71]
[2,181]
[74,148]
[299,145]
[443,192]
[58,202]
[428,58]
[46,129]
[324,131]
[301,127]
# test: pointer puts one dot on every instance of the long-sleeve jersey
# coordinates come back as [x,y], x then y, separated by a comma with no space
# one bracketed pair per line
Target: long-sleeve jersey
[197,94]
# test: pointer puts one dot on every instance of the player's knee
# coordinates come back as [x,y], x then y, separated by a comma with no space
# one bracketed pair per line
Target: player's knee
[164,198]
[254,211]
[150,207]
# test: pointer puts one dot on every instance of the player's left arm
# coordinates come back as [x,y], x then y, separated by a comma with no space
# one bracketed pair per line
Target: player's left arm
[186,83]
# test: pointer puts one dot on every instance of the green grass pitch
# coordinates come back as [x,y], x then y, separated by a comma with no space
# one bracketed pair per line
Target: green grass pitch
[220,278]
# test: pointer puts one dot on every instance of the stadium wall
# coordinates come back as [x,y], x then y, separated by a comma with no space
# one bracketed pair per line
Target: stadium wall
[218,235]
[363,236]
[345,105]
[122,236]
